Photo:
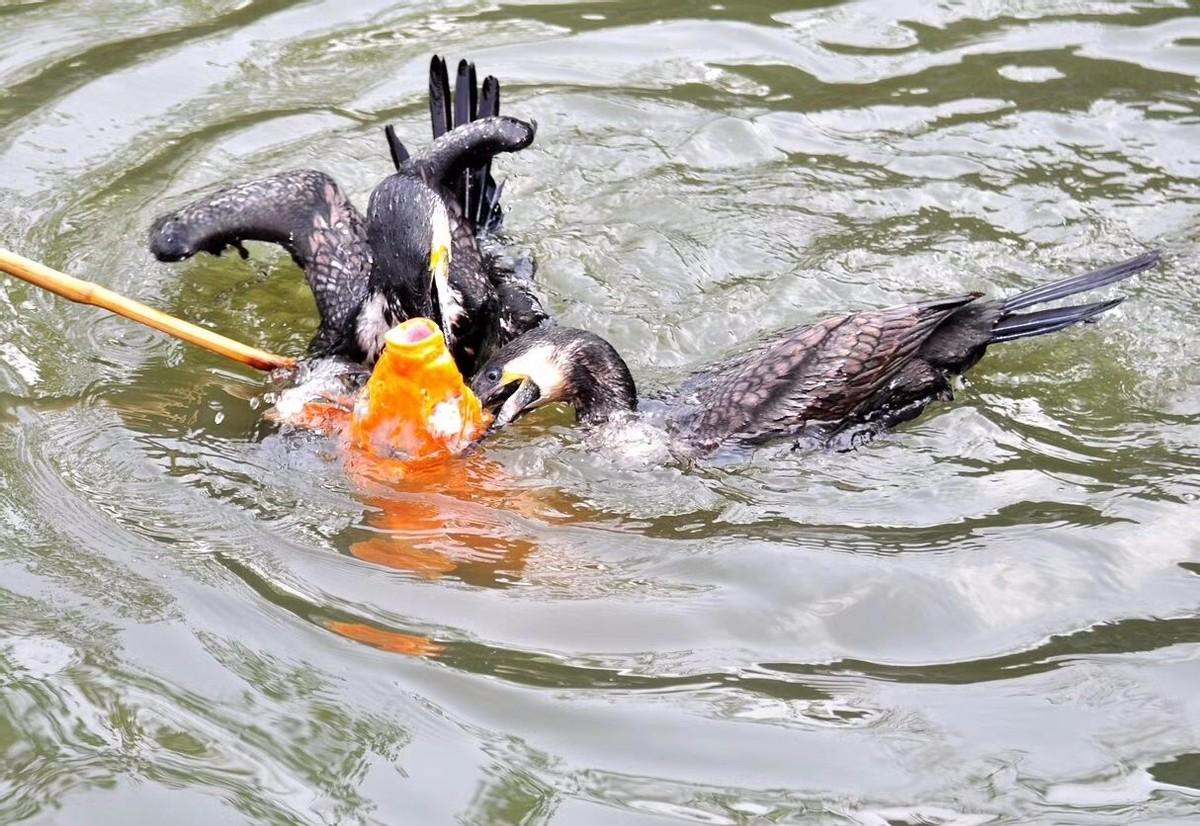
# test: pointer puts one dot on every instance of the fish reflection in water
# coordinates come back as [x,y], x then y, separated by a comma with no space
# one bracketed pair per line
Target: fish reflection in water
[397,642]
[451,518]
[439,519]
[463,519]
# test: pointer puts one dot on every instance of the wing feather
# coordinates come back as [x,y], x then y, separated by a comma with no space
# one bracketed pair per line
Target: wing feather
[808,379]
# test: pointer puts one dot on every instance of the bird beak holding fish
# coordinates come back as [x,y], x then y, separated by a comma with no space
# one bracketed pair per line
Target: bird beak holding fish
[511,396]
[524,398]
[519,379]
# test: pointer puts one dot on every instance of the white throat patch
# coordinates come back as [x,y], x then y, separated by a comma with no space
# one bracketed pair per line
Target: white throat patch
[541,367]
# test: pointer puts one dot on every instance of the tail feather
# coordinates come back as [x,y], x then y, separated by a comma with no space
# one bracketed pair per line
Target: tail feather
[1041,322]
[465,110]
[397,148]
[465,94]
[476,189]
[439,97]
[489,99]
[1093,280]
[485,184]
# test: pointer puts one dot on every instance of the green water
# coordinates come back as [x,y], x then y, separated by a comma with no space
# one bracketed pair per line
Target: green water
[990,616]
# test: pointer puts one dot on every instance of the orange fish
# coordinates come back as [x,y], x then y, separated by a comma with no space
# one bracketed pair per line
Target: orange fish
[415,407]
[415,404]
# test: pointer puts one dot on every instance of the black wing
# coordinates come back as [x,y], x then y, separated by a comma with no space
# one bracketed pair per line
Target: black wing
[469,146]
[811,380]
[306,213]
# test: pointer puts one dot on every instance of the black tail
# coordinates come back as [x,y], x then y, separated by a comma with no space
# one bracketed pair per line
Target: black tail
[477,190]
[440,114]
[1093,280]
[1013,325]
[487,213]
[1024,325]
[395,146]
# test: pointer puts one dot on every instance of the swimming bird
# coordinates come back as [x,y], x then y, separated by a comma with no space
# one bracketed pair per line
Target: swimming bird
[428,245]
[835,382]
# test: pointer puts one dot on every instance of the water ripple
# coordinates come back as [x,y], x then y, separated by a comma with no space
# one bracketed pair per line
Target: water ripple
[987,616]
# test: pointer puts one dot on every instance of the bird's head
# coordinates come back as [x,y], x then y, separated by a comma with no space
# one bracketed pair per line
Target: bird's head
[174,238]
[555,364]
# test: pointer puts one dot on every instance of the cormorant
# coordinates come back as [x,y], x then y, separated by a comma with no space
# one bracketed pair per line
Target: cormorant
[847,376]
[427,247]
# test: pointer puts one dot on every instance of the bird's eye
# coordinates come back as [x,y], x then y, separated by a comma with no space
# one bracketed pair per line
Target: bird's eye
[492,375]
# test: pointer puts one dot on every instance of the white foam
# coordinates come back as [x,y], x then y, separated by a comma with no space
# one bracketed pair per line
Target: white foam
[20,362]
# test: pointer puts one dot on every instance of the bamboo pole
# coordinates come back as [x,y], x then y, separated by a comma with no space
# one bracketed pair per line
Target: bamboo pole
[85,292]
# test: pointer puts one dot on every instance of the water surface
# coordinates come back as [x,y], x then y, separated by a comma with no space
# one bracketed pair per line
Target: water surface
[989,616]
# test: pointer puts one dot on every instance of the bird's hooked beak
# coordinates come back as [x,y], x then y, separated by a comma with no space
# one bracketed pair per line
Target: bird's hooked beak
[509,393]
[523,399]
[514,387]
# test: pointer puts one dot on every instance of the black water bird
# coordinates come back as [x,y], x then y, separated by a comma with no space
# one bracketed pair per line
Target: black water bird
[834,382]
[427,247]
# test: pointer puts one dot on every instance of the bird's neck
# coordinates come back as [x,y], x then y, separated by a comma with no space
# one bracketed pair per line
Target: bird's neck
[401,273]
[602,390]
